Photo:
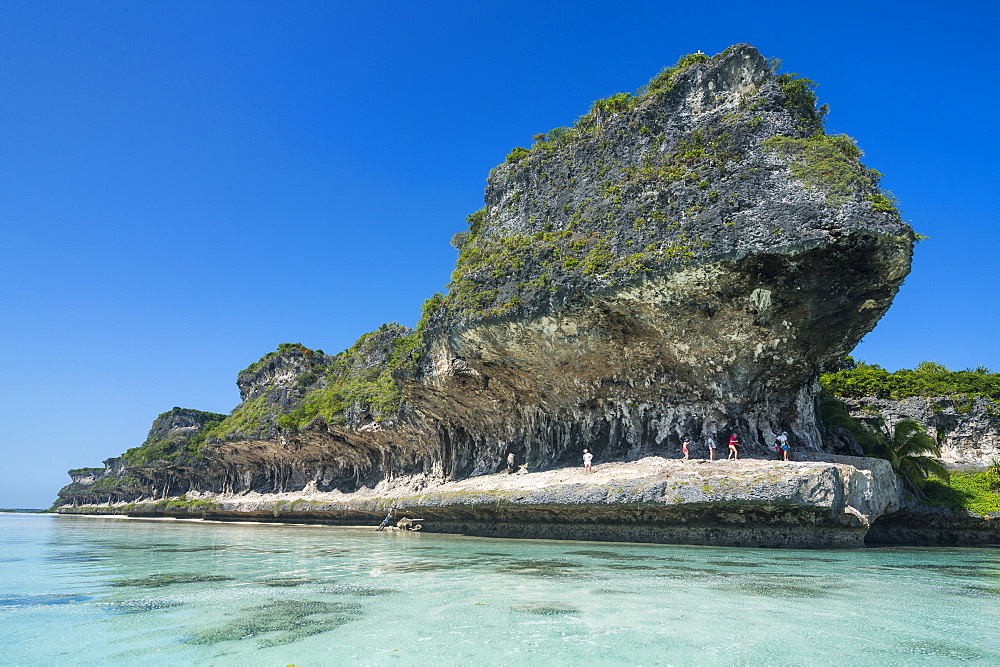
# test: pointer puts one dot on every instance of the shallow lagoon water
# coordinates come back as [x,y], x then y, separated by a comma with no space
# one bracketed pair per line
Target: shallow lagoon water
[81,590]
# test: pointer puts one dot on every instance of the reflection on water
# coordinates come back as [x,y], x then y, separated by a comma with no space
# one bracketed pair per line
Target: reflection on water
[77,590]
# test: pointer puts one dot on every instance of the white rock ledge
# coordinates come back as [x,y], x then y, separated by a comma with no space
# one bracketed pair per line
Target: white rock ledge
[830,503]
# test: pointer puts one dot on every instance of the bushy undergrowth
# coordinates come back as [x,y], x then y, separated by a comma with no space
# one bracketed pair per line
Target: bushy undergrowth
[363,377]
[973,491]
[351,381]
[282,349]
[174,447]
[592,122]
[860,380]
[830,164]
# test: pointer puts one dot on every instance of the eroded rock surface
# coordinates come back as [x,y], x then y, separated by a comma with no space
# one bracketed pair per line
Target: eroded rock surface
[144,472]
[681,262]
[966,427]
[746,503]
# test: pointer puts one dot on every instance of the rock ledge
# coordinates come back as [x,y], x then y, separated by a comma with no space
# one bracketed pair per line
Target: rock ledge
[747,503]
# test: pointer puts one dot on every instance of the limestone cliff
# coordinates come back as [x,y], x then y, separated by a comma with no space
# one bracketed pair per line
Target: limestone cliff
[680,262]
[171,450]
[967,428]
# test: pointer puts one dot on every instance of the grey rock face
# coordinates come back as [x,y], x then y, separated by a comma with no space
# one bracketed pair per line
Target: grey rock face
[150,470]
[278,371]
[968,429]
[178,427]
[678,264]
[673,274]
[936,526]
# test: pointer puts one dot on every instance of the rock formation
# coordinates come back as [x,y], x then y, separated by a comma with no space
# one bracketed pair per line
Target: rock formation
[153,469]
[966,427]
[680,262]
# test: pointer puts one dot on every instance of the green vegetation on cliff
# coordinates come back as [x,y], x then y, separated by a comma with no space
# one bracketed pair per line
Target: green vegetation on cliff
[352,386]
[547,254]
[249,417]
[592,122]
[282,349]
[965,490]
[677,188]
[800,97]
[177,434]
[860,380]
[353,381]
[973,491]
[579,241]
[830,164]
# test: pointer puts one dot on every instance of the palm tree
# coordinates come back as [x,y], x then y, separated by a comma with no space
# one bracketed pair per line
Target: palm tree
[994,469]
[907,447]
[912,454]
[835,417]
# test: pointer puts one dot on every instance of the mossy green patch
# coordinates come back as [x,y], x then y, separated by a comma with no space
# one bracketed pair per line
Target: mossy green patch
[940,650]
[419,566]
[363,377]
[978,592]
[249,417]
[828,163]
[733,563]
[139,605]
[539,568]
[495,275]
[781,585]
[604,555]
[774,590]
[359,591]
[289,582]
[164,447]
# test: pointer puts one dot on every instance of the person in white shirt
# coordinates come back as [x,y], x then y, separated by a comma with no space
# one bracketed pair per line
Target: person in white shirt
[783,443]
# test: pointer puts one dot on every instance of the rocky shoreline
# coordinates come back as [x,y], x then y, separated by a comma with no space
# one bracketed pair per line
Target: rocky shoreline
[841,502]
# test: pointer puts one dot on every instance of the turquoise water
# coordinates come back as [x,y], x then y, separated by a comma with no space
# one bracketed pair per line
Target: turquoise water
[76,590]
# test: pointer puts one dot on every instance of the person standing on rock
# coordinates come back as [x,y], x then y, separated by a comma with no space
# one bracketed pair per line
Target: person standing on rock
[684,448]
[783,442]
[385,522]
[511,468]
[711,448]
[587,458]
[734,442]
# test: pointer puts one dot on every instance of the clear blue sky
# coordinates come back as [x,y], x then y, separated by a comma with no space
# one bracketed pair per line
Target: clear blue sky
[184,185]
